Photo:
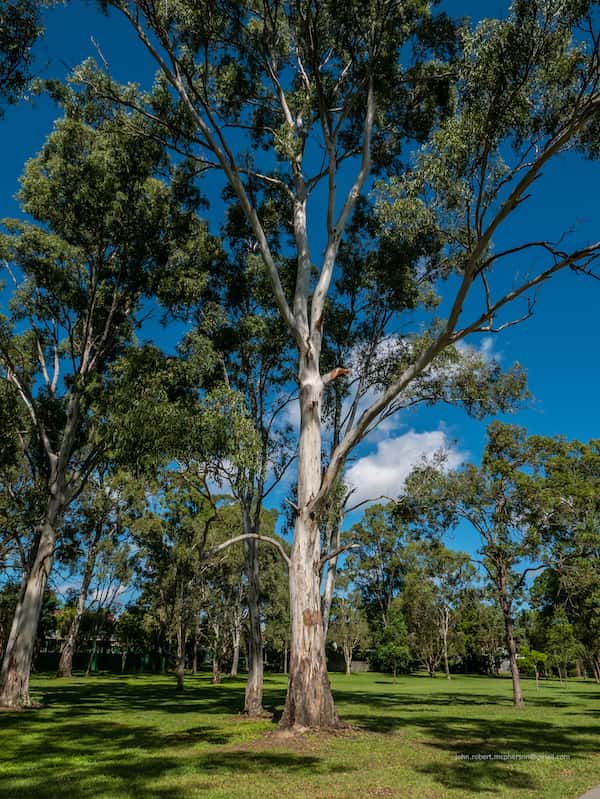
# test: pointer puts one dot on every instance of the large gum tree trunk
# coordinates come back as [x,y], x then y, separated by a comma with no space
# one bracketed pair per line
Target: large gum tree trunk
[65,665]
[254,685]
[16,666]
[309,701]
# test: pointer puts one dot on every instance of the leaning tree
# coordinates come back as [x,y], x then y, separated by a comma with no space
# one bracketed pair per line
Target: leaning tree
[102,227]
[298,106]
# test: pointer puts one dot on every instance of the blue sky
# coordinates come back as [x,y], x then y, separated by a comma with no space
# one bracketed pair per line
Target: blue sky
[559,346]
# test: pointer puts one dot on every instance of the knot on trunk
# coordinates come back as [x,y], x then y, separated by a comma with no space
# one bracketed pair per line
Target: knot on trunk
[312,617]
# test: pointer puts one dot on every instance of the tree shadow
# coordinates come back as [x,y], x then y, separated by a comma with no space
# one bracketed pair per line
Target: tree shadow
[80,696]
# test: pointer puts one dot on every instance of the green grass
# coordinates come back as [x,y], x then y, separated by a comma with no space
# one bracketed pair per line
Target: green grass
[135,738]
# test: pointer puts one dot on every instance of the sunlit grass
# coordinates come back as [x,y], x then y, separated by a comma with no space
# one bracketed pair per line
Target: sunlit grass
[136,738]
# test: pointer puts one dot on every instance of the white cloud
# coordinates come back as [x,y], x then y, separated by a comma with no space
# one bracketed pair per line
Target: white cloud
[384,471]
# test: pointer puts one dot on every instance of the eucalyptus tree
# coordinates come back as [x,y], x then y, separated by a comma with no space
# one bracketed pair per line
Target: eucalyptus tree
[391,642]
[172,535]
[381,560]
[252,343]
[20,26]
[451,573]
[561,645]
[327,96]
[102,225]
[499,501]
[348,629]
[533,504]
[95,522]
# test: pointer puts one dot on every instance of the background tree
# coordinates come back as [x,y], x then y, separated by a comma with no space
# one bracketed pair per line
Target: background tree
[391,645]
[98,516]
[450,573]
[499,500]
[20,26]
[562,646]
[131,633]
[349,629]
[79,272]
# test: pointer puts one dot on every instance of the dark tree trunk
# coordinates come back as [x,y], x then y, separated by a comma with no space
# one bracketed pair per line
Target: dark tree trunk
[195,646]
[92,658]
[180,664]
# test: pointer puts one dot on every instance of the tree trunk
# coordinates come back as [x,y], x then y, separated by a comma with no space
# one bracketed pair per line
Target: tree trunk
[285,660]
[123,660]
[92,658]
[445,627]
[65,665]
[254,685]
[18,655]
[348,659]
[195,647]
[180,664]
[216,669]
[309,701]
[235,660]
[512,655]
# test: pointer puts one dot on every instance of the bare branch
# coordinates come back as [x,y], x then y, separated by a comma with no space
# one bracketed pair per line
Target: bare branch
[246,537]
[334,553]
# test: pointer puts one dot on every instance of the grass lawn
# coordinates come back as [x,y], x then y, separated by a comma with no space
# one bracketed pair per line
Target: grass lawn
[135,738]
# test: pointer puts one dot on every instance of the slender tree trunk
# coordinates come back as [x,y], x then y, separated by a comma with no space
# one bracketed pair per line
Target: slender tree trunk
[18,655]
[445,627]
[537,678]
[309,701]
[92,657]
[518,700]
[235,660]
[285,660]
[216,668]
[254,685]
[348,659]
[180,664]
[216,660]
[195,648]
[65,665]
[123,660]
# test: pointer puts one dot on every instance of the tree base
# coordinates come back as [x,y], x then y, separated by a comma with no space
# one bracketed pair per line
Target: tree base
[309,703]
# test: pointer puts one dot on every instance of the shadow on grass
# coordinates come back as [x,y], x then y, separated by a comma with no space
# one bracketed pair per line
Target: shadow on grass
[106,694]
[72,747]
[88,759]
[475,745]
